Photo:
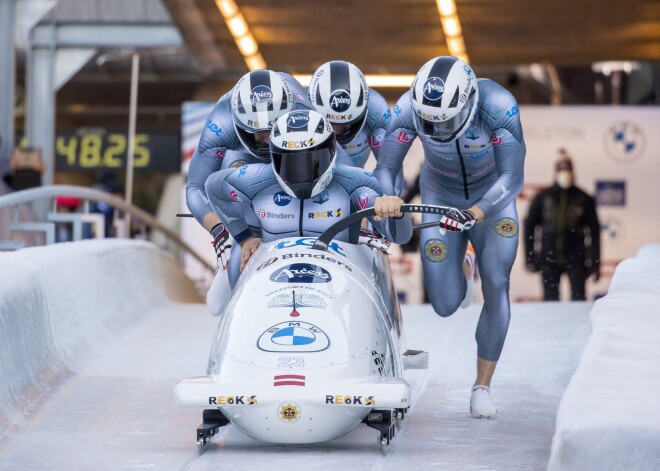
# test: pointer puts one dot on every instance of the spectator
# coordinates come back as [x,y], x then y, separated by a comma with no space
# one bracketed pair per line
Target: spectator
[25,168]
[562,234]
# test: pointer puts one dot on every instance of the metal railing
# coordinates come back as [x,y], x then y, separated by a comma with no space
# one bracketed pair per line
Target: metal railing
[90,194]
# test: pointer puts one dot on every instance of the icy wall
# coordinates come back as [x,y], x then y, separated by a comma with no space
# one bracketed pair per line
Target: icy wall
[609,417]
[60,303]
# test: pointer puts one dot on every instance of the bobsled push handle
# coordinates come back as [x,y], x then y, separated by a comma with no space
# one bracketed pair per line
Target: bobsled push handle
[332,231]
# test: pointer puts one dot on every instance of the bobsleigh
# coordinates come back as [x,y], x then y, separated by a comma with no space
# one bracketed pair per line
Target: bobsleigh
[309,345]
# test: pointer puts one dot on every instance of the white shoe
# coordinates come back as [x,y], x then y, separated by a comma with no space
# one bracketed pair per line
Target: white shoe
[481,405]
[468,272]
[219,293]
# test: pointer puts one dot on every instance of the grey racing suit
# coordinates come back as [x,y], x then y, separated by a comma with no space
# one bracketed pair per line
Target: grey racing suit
[484,166]
[254,188]
[218,138]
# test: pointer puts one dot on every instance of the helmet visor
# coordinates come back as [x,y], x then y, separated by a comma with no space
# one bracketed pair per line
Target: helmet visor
[445,131]
[352,128]
[250,143]
[301,170]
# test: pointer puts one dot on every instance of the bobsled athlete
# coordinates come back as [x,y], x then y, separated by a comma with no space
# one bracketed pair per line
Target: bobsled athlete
[301,192]
[236,133]
[474,153]
[358,114]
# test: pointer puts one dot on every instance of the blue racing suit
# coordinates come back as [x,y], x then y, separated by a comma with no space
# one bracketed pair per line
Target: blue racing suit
[484,166]
[219,137]
[254,188]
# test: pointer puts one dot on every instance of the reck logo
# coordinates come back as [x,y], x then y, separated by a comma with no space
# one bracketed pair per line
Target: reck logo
[325,214]
[298,144]
[232,400]
[350,400]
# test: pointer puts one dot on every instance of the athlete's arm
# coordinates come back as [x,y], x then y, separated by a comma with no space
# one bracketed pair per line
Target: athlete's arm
[509,150]
[231,192]
[379,116]
[218,136]
[364,191]
[398,139]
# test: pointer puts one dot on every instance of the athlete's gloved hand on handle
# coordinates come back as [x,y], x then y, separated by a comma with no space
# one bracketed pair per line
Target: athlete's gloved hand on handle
[457,220]
[374,240]
[222,248]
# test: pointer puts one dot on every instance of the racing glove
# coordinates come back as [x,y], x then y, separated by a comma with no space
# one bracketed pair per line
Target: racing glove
[222,248]
[458,221]
[375,240]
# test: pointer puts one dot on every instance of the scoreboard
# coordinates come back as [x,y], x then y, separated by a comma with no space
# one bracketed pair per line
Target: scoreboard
[100,148]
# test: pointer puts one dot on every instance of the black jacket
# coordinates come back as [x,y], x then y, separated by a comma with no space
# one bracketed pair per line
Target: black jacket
[566,225]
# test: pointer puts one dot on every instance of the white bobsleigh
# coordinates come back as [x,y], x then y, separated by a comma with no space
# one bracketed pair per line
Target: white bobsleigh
[309,345]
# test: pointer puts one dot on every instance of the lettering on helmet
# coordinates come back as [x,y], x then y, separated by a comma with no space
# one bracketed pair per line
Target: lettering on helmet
[261,95]
[339,117]
[434,87]
[297,120]
[430,117]
[298,144]
[257,124]
[340,101]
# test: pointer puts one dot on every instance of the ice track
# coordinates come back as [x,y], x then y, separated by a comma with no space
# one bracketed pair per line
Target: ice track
[116,410]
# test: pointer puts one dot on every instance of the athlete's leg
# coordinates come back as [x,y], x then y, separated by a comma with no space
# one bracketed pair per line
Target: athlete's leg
[495,241]
[442,265]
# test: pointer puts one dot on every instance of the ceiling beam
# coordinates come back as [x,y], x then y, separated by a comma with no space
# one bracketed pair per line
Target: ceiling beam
[199,38]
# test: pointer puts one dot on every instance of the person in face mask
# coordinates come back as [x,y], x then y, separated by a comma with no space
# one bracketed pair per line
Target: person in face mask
[562,222]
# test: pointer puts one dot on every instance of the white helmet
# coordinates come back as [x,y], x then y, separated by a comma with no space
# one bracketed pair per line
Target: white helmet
[259,98]
[303,153]
[445,97]
[339,92]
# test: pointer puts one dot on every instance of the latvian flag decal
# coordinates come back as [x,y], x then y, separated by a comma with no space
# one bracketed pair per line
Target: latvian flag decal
[289,380]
